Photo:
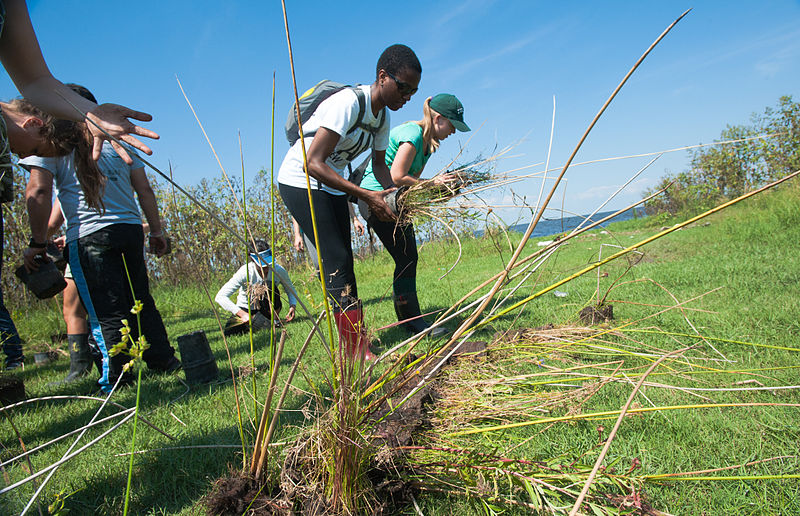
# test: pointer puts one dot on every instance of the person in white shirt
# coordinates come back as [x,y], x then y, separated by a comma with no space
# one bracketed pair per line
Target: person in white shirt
[256,280]
[333,138]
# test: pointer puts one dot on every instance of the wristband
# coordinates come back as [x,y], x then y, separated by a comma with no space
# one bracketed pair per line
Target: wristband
[157,235]
[36,245]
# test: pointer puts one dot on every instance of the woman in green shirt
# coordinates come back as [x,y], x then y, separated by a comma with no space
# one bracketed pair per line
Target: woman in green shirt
[410,147]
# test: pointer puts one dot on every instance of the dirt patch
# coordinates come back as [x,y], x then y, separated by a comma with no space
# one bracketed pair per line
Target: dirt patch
[12,389]
[397,423]
[633,503]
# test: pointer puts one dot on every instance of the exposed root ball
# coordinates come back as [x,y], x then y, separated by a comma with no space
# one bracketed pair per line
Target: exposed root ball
[591,315]
[233,494]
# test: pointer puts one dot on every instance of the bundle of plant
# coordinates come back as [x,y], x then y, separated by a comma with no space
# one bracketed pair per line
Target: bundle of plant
[427,196]
[545,485]
[258,291]
[528,376]
[326,470]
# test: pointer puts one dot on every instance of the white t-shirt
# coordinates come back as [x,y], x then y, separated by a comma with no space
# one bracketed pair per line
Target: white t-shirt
[339,113]
[118,197]
[238,284]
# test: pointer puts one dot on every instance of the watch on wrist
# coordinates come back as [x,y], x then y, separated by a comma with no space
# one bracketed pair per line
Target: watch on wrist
[36,245]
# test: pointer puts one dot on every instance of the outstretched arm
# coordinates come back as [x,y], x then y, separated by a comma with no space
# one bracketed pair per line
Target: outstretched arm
[56,219]
[22,58]
[288,286]
[147,200]
[38,200]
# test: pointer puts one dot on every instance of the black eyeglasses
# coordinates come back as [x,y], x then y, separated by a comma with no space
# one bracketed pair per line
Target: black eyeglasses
[403,87]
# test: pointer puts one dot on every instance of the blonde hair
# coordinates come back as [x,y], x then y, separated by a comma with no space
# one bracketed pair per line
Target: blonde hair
[430,143]
[67,136]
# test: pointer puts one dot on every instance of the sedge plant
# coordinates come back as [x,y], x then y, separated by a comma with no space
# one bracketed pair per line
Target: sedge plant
[134,349]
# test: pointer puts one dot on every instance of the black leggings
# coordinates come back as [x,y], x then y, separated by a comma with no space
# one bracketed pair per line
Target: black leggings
[333,226]
[401,242]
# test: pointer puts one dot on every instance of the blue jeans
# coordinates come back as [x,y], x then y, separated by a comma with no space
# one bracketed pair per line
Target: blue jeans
[12,345]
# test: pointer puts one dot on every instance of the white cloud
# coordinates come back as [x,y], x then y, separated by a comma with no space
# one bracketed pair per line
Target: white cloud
[468,7]
[602,192]
[510,48]
[780,60]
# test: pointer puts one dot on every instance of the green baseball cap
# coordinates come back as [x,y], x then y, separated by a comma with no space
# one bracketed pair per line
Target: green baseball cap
[451,108]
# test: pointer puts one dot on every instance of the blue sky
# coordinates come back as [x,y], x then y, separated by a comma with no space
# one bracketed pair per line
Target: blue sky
[504,60]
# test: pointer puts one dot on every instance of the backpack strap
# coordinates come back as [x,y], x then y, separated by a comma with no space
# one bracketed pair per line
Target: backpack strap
[362,109]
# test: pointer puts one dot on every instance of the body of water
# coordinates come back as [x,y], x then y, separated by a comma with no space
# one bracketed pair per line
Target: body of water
[554,226]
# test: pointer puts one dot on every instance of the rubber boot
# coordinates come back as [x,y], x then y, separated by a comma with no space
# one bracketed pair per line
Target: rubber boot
[353,333]
[80,358]
[406,306]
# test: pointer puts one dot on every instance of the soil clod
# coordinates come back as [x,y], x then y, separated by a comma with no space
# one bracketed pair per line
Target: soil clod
[592,315]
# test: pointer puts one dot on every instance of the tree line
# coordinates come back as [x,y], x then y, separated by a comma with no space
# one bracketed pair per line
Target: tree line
[722,172]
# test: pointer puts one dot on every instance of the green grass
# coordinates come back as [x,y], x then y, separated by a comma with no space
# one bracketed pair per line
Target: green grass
[750,251]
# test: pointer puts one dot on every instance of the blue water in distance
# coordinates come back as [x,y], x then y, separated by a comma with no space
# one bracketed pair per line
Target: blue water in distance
[555,226]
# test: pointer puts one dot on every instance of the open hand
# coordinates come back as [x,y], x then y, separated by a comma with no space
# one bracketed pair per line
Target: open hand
[442,179]
[113,119]
[60,242]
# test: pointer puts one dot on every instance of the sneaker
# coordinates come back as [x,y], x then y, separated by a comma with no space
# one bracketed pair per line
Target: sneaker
[172,365]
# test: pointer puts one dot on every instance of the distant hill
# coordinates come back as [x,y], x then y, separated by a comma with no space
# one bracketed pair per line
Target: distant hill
[554,226]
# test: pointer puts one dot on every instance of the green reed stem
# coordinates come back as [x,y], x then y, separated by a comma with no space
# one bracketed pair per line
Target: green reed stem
[138,393]
[716,339]
[659,478]
[272,224]
[610,413]
[332,343]
[247,271]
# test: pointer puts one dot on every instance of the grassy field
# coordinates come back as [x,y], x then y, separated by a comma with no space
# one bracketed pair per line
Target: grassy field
[737,274]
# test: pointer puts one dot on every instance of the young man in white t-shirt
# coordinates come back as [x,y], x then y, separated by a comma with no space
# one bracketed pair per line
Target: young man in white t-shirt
[336,140]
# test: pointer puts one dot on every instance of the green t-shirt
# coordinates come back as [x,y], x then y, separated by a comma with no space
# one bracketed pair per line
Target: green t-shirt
[409,132]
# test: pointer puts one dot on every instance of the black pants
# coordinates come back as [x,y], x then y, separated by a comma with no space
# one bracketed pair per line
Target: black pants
[333,226]
[401,242]
[101,264]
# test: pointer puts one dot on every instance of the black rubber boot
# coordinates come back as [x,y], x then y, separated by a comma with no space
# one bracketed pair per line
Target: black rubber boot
[406,306]
[80,358]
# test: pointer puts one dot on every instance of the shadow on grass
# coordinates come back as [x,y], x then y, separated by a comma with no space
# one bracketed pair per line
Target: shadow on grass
[168,478]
